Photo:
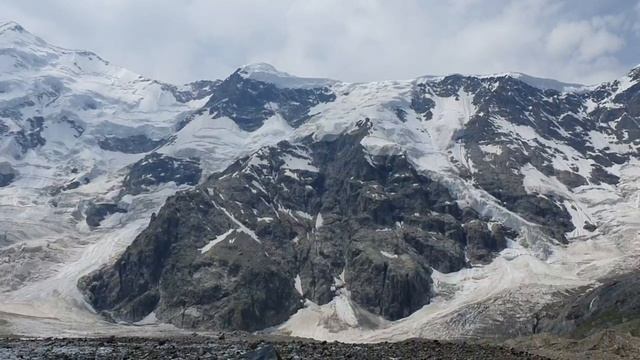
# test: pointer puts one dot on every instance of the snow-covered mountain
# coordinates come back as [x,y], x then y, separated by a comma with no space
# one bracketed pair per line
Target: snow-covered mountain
[442,206]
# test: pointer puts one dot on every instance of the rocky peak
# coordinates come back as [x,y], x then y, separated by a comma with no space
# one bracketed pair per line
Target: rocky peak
[12,31]
[11,26]
[15,36]
[269,74]
[634,74]
[26,52]
[255,93]
[544,83]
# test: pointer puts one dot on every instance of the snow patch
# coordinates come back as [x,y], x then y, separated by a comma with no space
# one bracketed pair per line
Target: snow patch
[215,241]
[298,285]
[388,254]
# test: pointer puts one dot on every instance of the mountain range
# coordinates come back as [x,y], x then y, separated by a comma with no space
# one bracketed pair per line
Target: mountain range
[442,206]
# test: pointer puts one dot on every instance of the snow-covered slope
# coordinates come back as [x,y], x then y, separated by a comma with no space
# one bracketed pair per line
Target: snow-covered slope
[90,151]
[70,125]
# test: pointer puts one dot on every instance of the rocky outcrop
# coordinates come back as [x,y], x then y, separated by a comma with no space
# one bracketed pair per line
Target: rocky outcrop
[192,91]
[155,169]
[7,174]
[31,136]
[95,213]
[615,303]
[249,102]
[243,249]
[134,144]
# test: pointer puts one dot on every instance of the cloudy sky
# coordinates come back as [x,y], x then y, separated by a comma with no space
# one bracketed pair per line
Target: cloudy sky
[585,41]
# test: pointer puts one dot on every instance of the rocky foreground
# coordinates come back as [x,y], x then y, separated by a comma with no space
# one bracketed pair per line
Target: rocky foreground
[200,347]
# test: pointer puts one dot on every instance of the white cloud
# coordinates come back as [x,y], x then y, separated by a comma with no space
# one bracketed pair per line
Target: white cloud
[356,40]
[584,39]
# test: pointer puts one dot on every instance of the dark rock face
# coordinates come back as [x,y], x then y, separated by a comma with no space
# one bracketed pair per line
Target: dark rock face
[31,137]
[95,213]
[155,169]
[616,302]
[225,255]
[6,179]
[134,144]
[600,175]
[422,104]
[506,107]
[248,289]
[483,241]
[249,102]
[7,174]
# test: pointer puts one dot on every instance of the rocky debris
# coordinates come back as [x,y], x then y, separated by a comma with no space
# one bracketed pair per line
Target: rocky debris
[95,213]
[201,347]
[155,169]
[603,345]
[264,352]
[134,144]
[226,254]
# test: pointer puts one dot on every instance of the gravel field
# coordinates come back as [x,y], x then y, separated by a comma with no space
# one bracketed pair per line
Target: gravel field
[236,347]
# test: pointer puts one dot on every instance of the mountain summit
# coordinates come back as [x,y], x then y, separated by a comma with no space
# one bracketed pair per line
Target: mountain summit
[267,73]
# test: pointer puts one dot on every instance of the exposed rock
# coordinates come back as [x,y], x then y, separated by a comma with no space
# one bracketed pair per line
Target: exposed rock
[570,179]
[7,174]
[614,303]
[483,242]
[225,255]
[31,137]
[134,144]
[193,91]
[249,102]
[421,103]
[95,213]
[589,226]
[600,175]
[155,169]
